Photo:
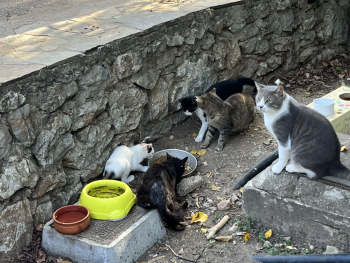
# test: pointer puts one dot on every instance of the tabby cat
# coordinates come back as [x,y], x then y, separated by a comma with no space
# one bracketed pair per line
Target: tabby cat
[158,191]
[228,117]
[304,136]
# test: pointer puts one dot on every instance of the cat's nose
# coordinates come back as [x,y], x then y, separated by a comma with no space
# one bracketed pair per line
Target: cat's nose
[260,106]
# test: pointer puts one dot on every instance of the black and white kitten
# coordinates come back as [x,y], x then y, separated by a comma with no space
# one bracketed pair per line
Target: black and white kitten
[224,89]
[304,136]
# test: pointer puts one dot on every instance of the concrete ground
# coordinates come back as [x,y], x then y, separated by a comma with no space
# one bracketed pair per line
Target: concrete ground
[18,16]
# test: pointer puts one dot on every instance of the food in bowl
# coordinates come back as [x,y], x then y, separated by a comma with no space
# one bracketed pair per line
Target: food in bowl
[106,191]
[162,159]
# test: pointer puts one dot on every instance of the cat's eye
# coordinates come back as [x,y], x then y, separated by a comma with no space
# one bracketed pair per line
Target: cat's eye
[268,101]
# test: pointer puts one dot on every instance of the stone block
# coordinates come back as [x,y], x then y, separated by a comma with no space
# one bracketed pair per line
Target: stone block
[189,184]
[122,241]
[292,204]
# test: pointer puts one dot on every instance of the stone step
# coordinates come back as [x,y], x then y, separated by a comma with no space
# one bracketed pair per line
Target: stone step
[316,210]
[122,241]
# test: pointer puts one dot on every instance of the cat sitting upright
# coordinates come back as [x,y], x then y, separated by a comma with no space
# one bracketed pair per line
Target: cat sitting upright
[224,89]
[304,136]
[228,117]
[158,191]
[126,159]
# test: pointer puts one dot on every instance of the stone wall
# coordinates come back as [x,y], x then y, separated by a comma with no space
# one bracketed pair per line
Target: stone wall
[59,124]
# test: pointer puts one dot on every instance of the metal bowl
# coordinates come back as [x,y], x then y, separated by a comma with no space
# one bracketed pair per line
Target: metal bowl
[176,153]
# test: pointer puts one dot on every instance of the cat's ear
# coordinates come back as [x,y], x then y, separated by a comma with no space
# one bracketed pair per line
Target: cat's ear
[168,156]
[213,90]
[279,89]
[198,99]
[184,160]
[258,85]
[149,147]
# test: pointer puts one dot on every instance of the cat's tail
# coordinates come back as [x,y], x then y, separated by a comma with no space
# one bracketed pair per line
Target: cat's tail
[340,171]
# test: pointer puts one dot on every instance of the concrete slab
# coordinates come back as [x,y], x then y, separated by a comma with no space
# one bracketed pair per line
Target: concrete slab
[122,241]
[316,210]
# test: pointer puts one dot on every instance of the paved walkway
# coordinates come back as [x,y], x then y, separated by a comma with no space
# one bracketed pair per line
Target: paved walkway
[18,16]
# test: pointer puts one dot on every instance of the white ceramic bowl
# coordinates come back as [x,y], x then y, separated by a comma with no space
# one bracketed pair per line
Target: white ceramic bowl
[176,153]
[324,106]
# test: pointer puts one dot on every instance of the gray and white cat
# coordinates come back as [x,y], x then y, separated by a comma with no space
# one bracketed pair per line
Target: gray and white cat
[126,159]
[304,136]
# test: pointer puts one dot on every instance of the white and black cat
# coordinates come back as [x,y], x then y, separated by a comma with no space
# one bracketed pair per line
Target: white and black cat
[304,136]
[126,159]
[224,89]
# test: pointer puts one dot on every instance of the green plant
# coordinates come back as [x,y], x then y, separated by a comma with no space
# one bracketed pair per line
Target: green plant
[262,237]
[273,251]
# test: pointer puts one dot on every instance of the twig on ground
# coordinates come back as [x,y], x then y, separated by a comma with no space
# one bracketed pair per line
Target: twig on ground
[190,260]
[214,229]
[155,259]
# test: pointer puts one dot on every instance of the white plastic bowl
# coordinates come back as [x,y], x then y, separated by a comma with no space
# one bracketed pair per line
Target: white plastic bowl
[324,106]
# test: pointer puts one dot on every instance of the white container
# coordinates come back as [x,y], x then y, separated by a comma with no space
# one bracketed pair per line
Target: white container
[324,106]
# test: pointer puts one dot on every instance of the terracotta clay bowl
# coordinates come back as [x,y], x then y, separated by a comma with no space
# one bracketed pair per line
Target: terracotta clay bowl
[71,219]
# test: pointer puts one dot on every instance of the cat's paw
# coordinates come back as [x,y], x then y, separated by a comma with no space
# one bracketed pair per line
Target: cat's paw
[277,168]
[199,138]
[204,145]
[144,169]
[290,168]
[130,179]
[219,148]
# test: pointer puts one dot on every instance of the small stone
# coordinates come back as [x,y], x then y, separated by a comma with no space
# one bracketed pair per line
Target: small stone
[267,244]
[234,197]
[239,203]
[224,205]
[331,250]
[205,204]
[209,200]
[213,208]
[286,238]
[234,242]
[233,228]
[312,248]
[187,185]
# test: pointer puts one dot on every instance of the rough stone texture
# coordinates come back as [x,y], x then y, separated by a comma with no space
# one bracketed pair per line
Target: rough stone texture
[189,184]
[69,95]
[295,205]
[107,241]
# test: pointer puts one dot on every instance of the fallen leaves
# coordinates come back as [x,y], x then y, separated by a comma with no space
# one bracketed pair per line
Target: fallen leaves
[197,202]
[344,148]
[201,152]
[199,217]
[194,134]
[223,238]
[205,163]
[207,174]
[204,230]
[214,187]
[267,142]
[193,152]
[268,234]
[171,137]
[181,251]
[246,237]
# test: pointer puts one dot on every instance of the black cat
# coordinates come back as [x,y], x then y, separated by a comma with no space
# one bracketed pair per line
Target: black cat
[158,191]
[224,89]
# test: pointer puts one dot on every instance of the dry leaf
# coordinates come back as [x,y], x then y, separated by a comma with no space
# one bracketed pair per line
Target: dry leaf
[181,251]
[344,148]
[307,93]
[205,163]
[224,238]
[246,237]
[213,186]
[201,152]
[199,217]
[194,134]
[341,76]
[207,174]
[267,142]
[268,234]
[171,137]
[204,230]
[241,190]
[197,202]
[194,152]
[307,75]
